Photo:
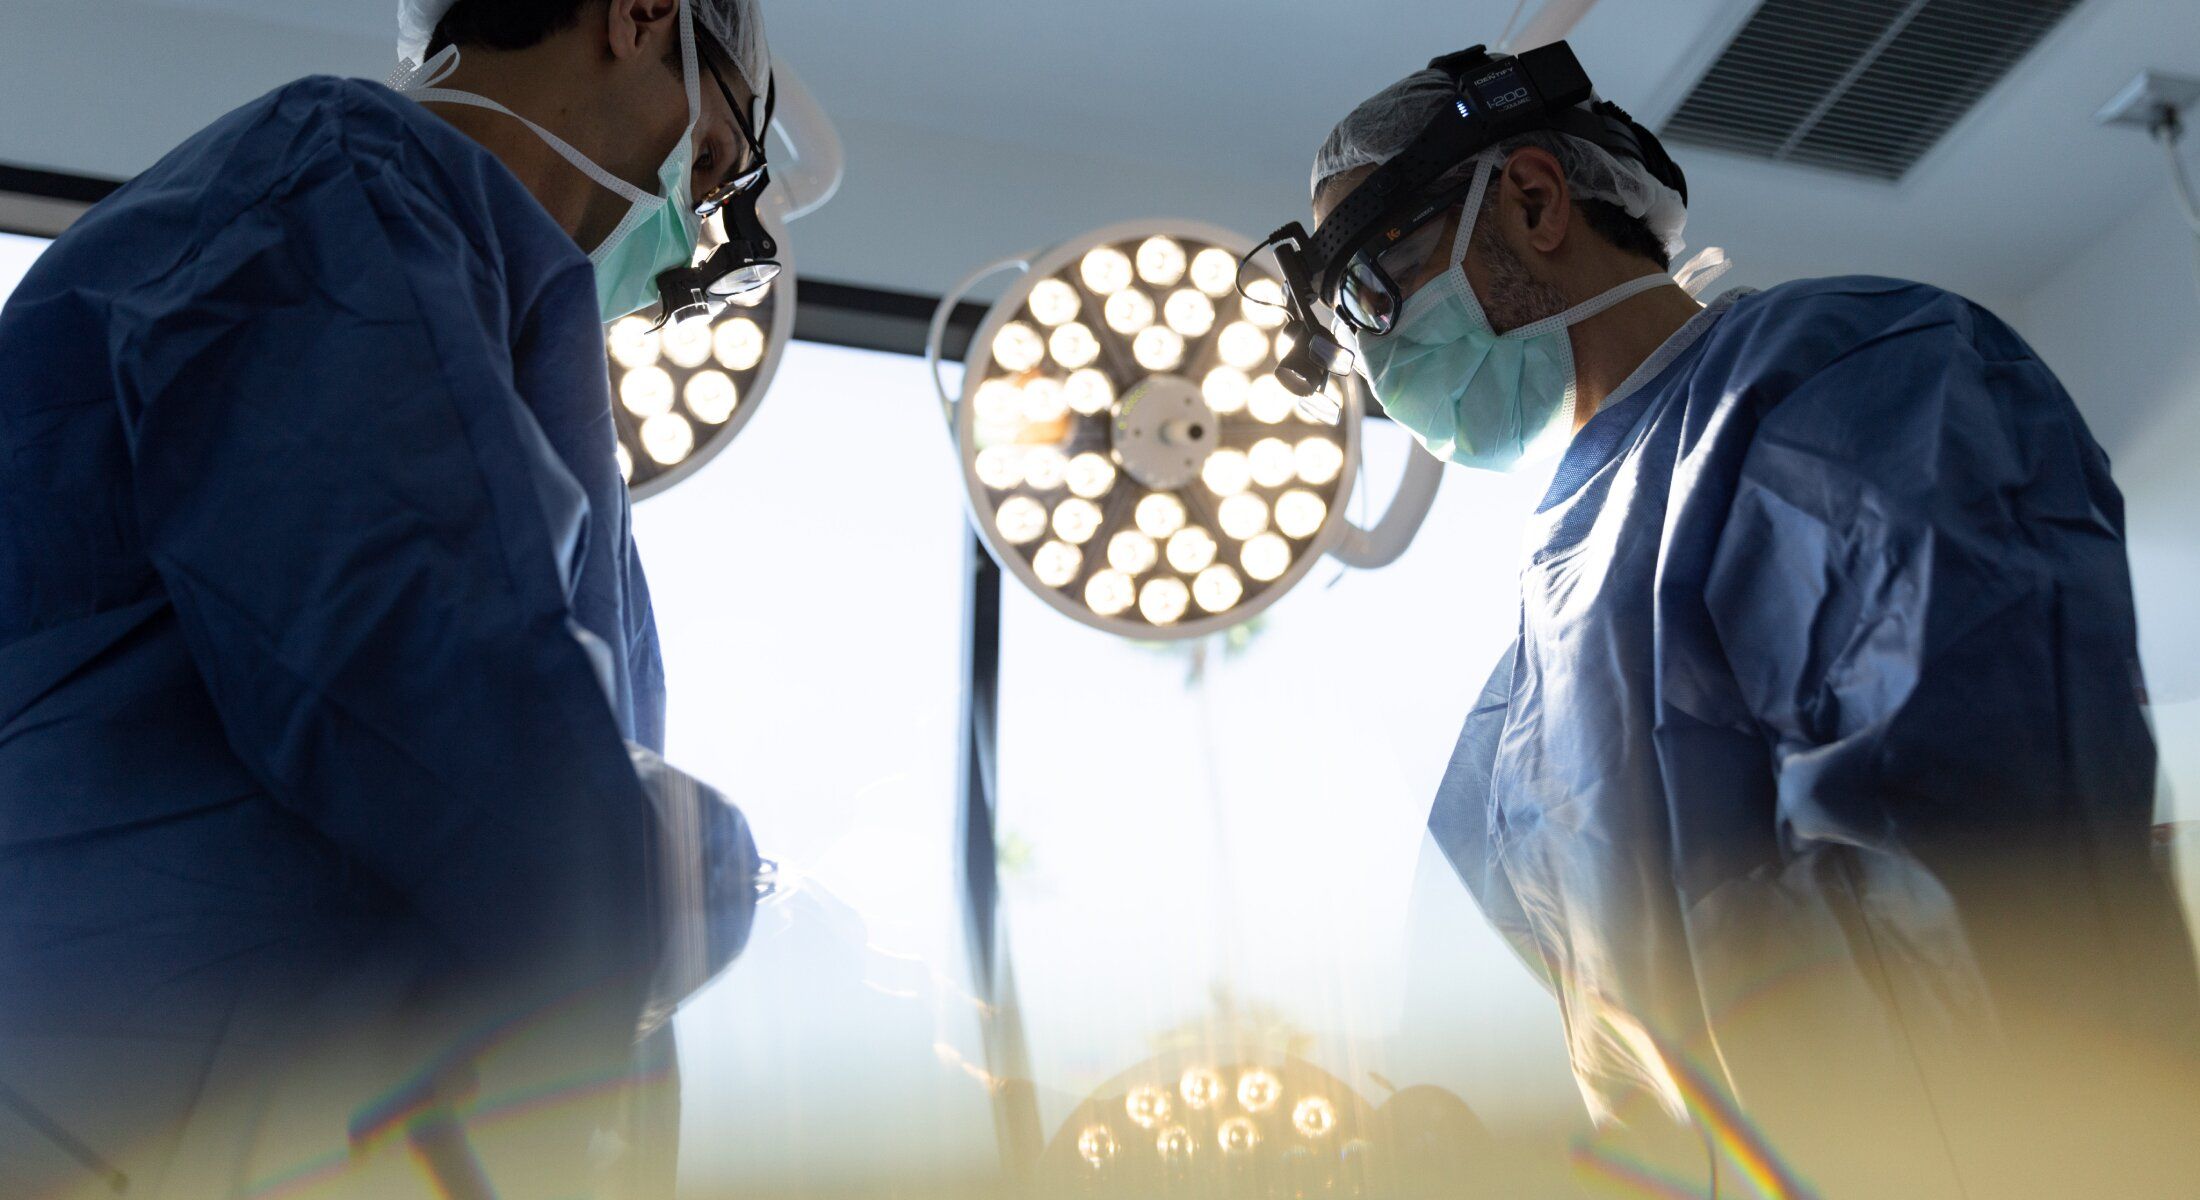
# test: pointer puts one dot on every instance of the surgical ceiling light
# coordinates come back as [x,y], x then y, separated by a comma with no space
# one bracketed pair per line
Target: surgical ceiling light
[680,393]
[1128,451]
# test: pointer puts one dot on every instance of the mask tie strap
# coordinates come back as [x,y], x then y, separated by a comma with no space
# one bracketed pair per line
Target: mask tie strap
[1699,273]
[1591,307]
[1470,215]
[620,187]
[409,75]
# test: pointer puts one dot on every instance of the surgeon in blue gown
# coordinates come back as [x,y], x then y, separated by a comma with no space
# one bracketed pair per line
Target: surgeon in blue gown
[316,575]
[1817,786]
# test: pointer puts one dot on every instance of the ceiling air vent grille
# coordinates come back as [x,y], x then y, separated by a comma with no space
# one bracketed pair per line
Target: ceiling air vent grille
[1860,86]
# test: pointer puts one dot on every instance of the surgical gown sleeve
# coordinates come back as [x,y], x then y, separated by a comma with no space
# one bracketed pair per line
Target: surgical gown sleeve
[1921,587]
[341,491]
[1922,591]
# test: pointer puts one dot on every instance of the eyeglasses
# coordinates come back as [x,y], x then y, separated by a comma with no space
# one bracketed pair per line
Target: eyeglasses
[752,125]
[1370,296]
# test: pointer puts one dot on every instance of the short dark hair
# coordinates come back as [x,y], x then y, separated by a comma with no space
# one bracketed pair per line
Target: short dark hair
[505,24]
[1631,235]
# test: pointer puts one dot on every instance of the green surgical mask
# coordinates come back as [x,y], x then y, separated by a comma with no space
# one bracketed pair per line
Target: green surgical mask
[659,233]
[1467,393]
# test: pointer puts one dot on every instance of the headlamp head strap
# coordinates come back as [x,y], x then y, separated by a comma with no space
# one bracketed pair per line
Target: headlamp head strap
[1494,97]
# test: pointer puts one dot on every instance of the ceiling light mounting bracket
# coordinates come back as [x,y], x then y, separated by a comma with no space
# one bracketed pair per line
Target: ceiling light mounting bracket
[2151,101]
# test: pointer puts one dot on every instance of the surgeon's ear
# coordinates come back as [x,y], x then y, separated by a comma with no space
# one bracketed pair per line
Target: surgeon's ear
[635,27]
[1536,199]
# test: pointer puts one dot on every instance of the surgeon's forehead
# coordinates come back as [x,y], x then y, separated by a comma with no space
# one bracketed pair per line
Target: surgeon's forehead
[1334,192]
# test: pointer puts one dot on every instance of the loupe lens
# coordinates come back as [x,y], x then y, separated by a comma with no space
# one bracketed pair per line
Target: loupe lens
[744,279]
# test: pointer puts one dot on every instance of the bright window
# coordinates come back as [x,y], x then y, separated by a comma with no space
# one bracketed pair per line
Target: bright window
[808,588]
[1203,833]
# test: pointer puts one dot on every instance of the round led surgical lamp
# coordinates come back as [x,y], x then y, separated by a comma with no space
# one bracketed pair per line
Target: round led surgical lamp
[682,392]
[1128,451]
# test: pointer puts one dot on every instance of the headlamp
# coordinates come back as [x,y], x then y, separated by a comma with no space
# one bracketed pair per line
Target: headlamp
[747,261]
[749,258]
[1339,266]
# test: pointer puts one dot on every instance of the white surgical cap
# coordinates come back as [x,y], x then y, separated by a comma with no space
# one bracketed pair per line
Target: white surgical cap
[737,26]
[1387,123]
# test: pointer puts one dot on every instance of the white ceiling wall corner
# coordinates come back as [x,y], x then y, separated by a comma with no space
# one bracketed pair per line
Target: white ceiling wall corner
[975,130]
[2023,182]
[919,209]
[107,88]
[2120,325]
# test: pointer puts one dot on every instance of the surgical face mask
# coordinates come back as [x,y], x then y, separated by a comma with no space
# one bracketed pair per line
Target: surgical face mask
[659,232]
[1469,394]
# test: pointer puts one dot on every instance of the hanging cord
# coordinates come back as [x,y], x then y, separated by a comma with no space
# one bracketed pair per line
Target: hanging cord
[936,336]
[2169,129]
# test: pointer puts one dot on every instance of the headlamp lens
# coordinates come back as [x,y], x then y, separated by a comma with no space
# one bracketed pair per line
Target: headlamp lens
[743,279]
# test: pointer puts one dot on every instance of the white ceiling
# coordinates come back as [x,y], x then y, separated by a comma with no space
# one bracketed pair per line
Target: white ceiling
[977,130]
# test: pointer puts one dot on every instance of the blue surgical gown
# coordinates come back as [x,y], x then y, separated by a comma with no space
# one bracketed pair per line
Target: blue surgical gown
[308,479]
[1822,748]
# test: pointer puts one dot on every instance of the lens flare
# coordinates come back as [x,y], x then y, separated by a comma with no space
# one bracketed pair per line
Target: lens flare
[1200,1087]
[1096,1145]
[1314,1117]
[1258,1090]
[1238,1135]
[1146,1106]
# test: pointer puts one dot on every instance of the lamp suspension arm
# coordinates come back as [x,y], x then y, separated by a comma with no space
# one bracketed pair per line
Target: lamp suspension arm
[936,336]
